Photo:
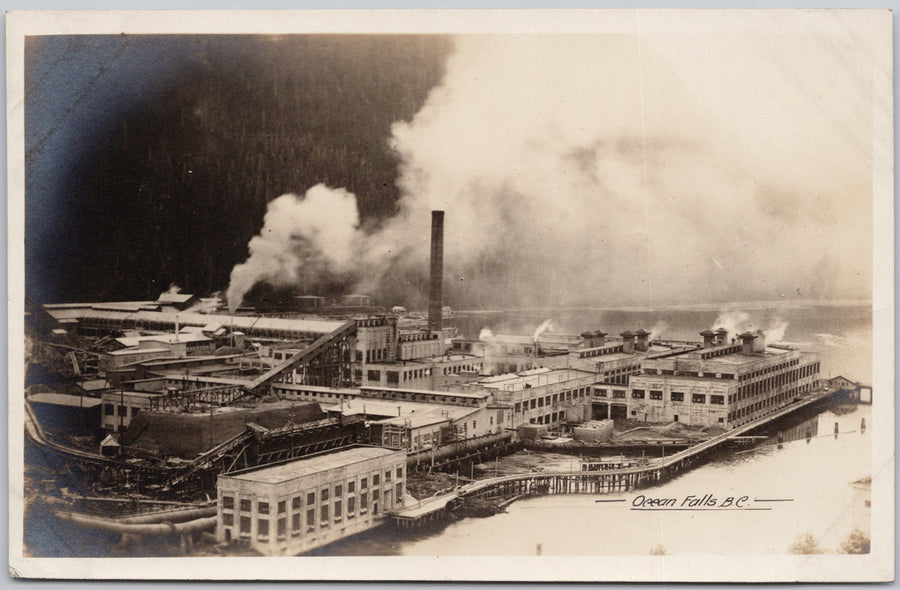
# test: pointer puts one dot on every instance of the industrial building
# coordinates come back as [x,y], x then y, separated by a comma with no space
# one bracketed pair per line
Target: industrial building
[551,397]
[721,384]
[294,507]
[434,373]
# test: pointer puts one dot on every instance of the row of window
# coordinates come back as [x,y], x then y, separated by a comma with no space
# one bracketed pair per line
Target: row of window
[674,373]
[549,400]
[549,418]
[675,396]
[110,410]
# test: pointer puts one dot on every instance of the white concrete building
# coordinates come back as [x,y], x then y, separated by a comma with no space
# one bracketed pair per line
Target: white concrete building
[292,508]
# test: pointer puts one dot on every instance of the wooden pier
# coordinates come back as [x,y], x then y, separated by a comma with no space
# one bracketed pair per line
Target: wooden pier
[589,482]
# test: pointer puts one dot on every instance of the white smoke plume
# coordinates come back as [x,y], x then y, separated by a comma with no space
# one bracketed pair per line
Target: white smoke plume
[545,325]
[736,322]
[659,329]
[486,334]
[657,154]
[173,290]
[776,331]
[302,239]
[659,158]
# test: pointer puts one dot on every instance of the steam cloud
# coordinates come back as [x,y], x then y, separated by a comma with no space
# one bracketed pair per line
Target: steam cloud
[736,322]
[545,325]
[302,240]
[636,168]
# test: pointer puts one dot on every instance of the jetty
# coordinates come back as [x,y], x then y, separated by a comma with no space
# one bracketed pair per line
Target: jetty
[591,482]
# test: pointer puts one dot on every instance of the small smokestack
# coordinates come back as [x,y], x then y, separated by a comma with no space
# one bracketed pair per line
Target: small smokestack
[627,342]
[643,337]
[708,338]
[747,339]
[435,299]
[721,336]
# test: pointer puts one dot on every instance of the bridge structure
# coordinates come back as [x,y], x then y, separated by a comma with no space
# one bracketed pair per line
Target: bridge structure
[325,362]
[590,482]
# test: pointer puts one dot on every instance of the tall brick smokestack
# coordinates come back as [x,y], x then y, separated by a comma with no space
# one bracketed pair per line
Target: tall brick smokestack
[435,299]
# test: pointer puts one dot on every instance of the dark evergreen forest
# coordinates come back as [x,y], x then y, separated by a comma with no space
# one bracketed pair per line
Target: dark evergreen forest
[150,160]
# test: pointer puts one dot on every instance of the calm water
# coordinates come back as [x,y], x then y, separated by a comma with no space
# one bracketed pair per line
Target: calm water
[814,475]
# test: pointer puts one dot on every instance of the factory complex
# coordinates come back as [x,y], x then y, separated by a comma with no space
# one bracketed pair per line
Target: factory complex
[308,427]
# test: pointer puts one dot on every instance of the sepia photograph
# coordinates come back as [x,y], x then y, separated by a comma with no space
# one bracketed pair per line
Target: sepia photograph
[470,295]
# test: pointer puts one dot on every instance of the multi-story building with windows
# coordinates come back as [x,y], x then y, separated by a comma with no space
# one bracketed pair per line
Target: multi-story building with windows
[542,396]
[294,507]
[720,384]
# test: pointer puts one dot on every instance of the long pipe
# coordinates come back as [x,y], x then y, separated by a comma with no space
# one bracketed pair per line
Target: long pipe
[158,529]
[169,516]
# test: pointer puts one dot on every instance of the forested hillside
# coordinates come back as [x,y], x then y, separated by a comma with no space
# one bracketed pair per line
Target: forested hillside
[182,141]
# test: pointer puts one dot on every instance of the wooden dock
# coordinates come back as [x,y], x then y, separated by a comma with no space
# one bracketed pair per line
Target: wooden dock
[590,482]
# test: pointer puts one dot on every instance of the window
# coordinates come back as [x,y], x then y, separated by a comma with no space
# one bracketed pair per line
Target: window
[600,392]
[109,409]
[282,528]
[376,480]
[351,506]
[282,507]
[387,476]
[363,503]
[262,528]
[637,393]
[123,411]
[228,502]
[338,490]
[399,491]
[310,498]
[655,394]
[246,505]
[374,375]
[323,495]
[262,507]
[323,517]
[310,519]
[295,524]
[618,393]
[376,495]
[698,398]
[393,377]
[245,526]
[364,483]
[351,487]
[400,473]
[676,396]
[295,503]
[338,510]
[228,519]
[717,399]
